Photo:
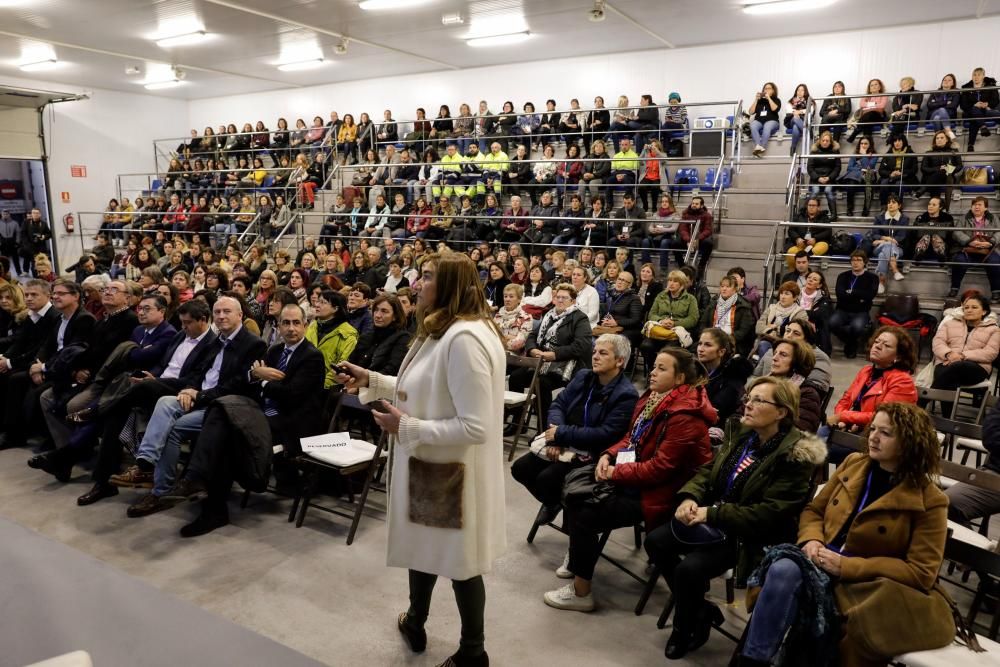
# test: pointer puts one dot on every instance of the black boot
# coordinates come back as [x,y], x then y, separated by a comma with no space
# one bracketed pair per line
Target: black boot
[678,644]
[833,211]
[711,616]
[207,521]
[743,661]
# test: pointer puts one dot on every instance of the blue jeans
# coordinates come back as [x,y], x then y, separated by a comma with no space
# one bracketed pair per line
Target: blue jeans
[161,443]
[883,253]
[831,199]
[762,132]
[463,144]
[775,610]
[798,125]
[849,327]
[941,119]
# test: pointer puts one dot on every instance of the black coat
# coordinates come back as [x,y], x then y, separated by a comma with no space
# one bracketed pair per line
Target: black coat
[971,95]
[573,340]
[627,311]
[234,377]
[887,165]
[28,339]
[725,387]
[299,395]
[107,334]
[819,227]
[381,350]
[78,330]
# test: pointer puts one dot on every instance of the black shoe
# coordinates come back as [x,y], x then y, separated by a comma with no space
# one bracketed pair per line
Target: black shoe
[186,489]
[99,492]
[865,212]
[953,292]
[415,637]
[984,132]
[56,464]
[970,149]
[459,660]
[711,617]
[205,523]
[678,644]
[743,661]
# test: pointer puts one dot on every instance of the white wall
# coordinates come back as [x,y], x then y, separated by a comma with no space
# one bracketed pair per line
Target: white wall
[725,71]
[110,133]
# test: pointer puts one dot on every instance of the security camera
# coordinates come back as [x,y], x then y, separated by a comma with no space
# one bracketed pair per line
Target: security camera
[341,49]
[596,15]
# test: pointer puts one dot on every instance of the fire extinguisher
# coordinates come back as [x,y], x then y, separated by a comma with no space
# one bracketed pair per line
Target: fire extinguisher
[68,223]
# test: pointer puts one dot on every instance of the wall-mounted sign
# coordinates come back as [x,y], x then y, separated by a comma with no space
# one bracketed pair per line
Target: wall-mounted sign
[10,190]
[78,170]
[65,197]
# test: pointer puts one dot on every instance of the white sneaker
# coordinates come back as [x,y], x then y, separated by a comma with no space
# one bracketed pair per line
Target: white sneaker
[881,288]
[563,570]
[566,598]
[898,276]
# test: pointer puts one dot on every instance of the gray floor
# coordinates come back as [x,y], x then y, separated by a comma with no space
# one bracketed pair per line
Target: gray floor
[305,588]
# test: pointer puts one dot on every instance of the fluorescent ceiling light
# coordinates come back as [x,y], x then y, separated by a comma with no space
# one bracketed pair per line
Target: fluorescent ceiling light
[162,85]
[767,7]
[185,39]
[301,65]
[378,5]
[38,66]
[499,40]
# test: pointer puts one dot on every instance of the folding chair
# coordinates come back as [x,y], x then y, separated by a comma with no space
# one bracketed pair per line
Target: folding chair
[527,400]
[951,429]
[971,446]
[312,467]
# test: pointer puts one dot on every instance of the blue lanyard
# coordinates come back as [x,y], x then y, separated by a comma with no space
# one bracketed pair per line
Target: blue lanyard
[586,408]
[752,440]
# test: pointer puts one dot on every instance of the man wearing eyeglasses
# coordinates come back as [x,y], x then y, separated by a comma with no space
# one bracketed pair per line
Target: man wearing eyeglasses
[24,388]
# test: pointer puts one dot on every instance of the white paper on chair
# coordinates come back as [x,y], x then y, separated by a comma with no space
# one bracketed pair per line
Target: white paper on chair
[338,449]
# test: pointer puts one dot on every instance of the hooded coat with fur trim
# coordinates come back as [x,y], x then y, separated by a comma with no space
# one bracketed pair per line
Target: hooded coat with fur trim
[768,504]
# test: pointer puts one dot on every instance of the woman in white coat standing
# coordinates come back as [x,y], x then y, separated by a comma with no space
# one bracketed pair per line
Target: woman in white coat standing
[446,495]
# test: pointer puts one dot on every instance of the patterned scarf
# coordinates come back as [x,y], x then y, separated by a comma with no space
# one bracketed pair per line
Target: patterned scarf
[755,456]
[547,331]
[723,312]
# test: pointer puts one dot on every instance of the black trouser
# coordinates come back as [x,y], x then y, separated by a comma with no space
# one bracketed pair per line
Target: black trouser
[520,378]
[8,247]
[21,408]
[585,523]
[470,595]
[957,374]
[689,577]
[543,478]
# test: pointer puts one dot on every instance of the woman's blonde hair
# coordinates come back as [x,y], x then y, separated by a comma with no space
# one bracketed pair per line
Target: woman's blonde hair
[680,277]
[43,259]
[458,295]
[19,310]
[514,289]
[786,396]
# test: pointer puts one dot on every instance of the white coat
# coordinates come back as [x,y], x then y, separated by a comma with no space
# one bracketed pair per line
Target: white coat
[451,391]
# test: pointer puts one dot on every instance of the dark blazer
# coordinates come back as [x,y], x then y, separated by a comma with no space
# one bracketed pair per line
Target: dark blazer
[108,333]
[28,339]
[78,330]
[194,367]
[148,354]
[383,356]
[234,377]
[299,396]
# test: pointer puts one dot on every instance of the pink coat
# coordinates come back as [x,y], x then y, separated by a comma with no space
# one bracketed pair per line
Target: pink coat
[981,345]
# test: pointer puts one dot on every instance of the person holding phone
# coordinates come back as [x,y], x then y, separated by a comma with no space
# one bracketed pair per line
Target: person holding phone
[445,422]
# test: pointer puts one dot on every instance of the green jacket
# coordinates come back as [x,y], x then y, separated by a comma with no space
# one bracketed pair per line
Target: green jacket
[683,310]
[767,511]
[336,346]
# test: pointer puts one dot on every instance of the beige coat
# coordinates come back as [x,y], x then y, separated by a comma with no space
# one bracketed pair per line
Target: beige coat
[446,488]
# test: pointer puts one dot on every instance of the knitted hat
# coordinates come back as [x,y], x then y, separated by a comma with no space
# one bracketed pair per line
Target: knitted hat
[674,96]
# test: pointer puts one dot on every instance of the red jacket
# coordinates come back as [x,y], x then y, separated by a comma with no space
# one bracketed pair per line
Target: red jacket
[670,451]
[689,216]
[896,385]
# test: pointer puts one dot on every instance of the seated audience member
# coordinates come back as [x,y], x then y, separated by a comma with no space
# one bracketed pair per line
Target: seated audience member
[515,325]
[799,269]
[622,311]
[887,240]
[608,276]
[897,171]
[383,348]
[793,360]
[967,503]
[395,278]
[777,316]
[871,111]
[359,313]
[629,227]
[537,293]
[979,105]
[835,111]
[821,375]
[812,235]
[285,405]
[764,117]
[666,443]
[942,106]
[649,287]
[332,333]
[596,172]
[672,318]
[976,243]
[562,341]
[856,290]
[898,471]
[800,105]
[930,245]
[695,218]
[905,107]
[731,312]
[965,349]
[941,167]
[888,378]
[823,169]
[727,373]
[654,179]
[176,418]
[749,292]
[587,299]
[860,176]
[746,499]
[496,281]
[587,417]
[624,167]
[662,228]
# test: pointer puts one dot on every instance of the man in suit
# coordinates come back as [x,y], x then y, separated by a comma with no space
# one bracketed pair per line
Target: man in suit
[176,418]
[24,388]
[75,437]
[290,382]
[113,329]
[183,364]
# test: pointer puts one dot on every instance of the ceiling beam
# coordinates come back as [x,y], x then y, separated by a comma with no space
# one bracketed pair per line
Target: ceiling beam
[660,38]
[323,31]
[133,57]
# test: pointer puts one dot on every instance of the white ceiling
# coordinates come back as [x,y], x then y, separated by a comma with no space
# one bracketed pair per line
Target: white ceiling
[95,40]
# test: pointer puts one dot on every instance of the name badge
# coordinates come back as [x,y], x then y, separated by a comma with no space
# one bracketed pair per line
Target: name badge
[625,456]
[625,228]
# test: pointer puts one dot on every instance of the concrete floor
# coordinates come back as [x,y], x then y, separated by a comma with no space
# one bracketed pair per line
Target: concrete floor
[307,589]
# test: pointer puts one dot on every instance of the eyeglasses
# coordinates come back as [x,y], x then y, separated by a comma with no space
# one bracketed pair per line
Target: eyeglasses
[757,400]
[110,290]
[145,309]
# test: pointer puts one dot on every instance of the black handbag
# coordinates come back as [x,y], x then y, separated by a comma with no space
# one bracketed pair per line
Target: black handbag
[582,488]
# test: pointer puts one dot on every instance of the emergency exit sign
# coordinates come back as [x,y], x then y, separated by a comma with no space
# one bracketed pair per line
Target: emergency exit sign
[78,170]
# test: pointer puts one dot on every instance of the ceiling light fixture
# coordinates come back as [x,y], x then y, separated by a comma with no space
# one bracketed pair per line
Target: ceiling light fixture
[499,40]
[452,19]
[301,65]
[768,7]
[163,85]
[379,5]
[185,39]
[39,65]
